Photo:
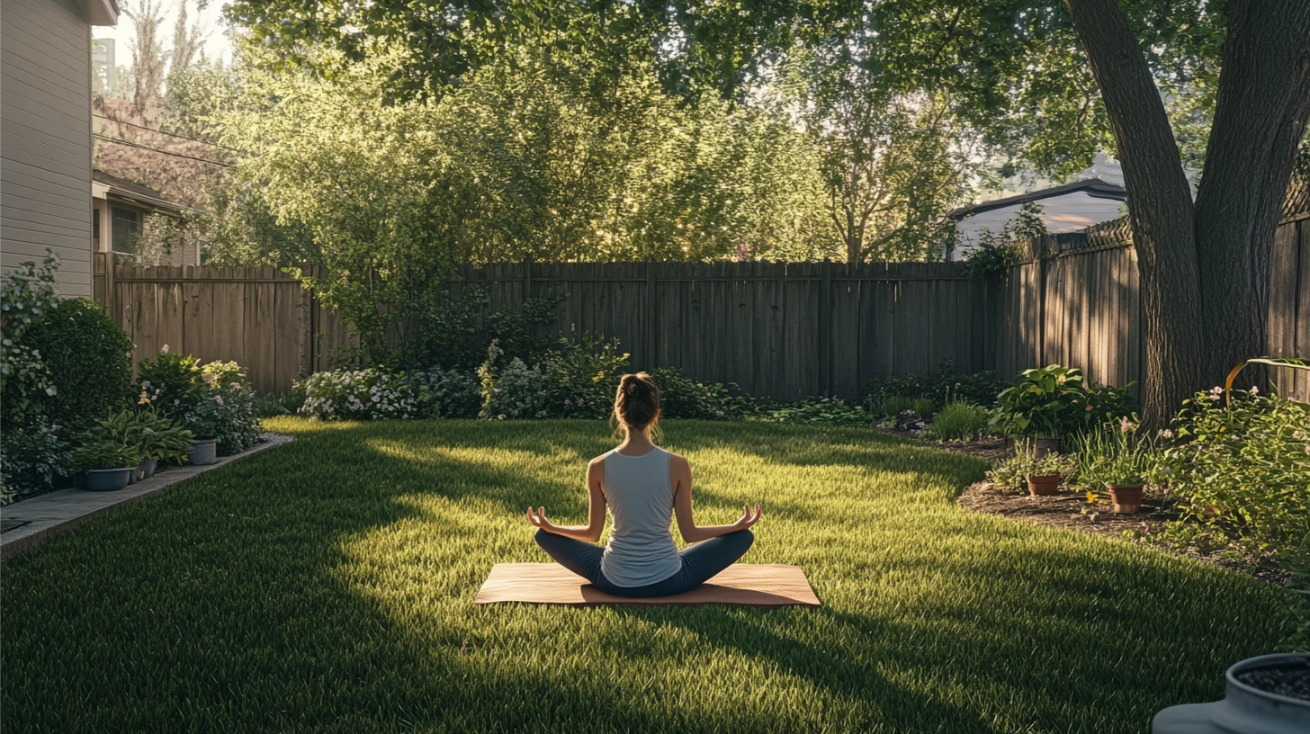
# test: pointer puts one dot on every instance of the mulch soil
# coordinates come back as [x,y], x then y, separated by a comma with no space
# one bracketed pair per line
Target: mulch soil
[1071,510]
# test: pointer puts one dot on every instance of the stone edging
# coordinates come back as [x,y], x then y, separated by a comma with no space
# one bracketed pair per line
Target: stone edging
[55,513]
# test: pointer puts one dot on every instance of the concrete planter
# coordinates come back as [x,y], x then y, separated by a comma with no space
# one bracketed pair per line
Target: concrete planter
[147,469]
[204,452]
[1244,708]
[108,480]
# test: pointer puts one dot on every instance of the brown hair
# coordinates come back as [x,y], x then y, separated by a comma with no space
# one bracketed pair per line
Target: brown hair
[637,401]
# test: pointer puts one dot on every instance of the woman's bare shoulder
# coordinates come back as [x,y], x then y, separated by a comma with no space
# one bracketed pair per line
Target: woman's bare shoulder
[678,461]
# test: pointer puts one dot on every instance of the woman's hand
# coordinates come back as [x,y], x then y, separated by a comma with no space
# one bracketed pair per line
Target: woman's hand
[748,519]
[538,519]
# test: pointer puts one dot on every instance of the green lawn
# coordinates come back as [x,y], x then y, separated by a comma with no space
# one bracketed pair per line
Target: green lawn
[328,585]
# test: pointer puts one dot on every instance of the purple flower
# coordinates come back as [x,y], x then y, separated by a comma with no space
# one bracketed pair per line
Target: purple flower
[567,402]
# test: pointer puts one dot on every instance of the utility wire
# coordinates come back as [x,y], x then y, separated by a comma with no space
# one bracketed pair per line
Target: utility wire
[162,152]
[175,135]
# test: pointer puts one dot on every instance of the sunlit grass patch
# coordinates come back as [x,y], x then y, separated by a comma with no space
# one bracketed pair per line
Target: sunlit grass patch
[328,585]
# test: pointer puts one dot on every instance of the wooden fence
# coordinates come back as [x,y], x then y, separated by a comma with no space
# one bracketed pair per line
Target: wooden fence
[1077,302]
[260,318]
[779,330]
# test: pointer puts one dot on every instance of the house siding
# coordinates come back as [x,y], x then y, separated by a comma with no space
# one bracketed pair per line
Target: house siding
[45,138]
[1069,212]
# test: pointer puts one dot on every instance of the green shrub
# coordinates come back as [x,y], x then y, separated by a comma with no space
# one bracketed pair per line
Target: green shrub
[943,386]
[923,407]
[222,374]
[454,333]
[571,380]
[1054,402]
[683,397]
[27,294]
[173,383]
[31,458]
[88,358]
[960,421]
[150,434]
[368,394]
[1242,471]
[895,405]
[450,393]
[819,410]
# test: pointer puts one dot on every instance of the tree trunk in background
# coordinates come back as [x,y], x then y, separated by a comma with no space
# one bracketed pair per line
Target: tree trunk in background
[1260,118]
[1160,208]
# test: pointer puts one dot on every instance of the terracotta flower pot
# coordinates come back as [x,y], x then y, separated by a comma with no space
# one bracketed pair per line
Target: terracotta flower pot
[1127,498]
[1045,485]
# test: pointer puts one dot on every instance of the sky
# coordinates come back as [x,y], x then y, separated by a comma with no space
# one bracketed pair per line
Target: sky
[216,46]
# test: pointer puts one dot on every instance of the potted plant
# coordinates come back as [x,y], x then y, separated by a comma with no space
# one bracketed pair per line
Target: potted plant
[161,439]
[108,465]
[1116,459]
[1044,404]
[203,421]
[1047,472]
[1270,693]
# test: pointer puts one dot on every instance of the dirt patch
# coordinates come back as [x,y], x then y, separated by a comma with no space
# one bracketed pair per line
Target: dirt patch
[1071,511]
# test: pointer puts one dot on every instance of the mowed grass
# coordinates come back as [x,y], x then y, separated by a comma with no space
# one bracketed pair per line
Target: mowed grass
[328,586]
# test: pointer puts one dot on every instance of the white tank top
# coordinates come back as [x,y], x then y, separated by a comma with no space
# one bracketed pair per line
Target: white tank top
[641,550]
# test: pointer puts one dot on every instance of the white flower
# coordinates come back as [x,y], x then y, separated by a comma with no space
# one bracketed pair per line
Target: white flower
[1255,390]
[164,349]
[50,391]
[1166,433]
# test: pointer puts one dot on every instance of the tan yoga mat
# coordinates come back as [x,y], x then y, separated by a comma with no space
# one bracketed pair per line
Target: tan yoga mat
[763,585]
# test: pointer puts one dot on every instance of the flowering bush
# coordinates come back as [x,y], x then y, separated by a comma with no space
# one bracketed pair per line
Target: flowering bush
[171,382]
[514,391]
[31,457]
[26,294]
[1242,471]
[368,394]
[222,374]
[228,414]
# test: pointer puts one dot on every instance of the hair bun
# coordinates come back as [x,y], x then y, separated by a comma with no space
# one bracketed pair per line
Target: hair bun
[632,387]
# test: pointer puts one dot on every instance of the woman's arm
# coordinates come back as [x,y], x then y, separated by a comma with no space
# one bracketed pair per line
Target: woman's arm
[680,478]
[595,512]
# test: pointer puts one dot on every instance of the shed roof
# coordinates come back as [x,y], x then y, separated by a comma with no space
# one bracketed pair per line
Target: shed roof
[136,193]
[1093,187]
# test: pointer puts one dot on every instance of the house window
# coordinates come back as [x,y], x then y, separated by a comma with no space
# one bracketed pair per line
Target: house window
[126,231]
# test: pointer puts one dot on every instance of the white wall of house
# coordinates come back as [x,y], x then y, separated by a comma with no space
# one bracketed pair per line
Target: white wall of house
[45,134]
[1069,212]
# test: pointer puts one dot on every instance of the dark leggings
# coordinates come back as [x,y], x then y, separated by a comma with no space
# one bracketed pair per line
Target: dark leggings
[700,562]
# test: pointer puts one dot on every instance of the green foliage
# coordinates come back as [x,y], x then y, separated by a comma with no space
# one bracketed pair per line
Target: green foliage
[1054,402]
[1116,455]
[105,455]
[237,425]
[960,421]
[572,380]
[1242,471]
[896,404]
[923,407]
[27,294]
[454,393]
[285,403]
[367,394]
[454,333]
[151,435]
[942,386]
[172,383]
[31,458]
[683,397]
[89,361]
[997,252]
[819,410]
[1012,473]
[222,374]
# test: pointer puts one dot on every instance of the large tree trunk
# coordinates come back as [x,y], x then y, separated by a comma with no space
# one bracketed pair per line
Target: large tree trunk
[1260,118]
[1205,267]
[1159,204]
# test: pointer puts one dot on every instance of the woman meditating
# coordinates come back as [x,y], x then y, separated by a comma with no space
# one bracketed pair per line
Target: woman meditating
[642,485]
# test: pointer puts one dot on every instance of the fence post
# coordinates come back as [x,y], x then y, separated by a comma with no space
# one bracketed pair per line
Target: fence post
[825,328]
[650,316]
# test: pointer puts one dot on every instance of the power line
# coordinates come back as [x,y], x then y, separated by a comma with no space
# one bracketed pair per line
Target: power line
[162,152]
[175,135]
